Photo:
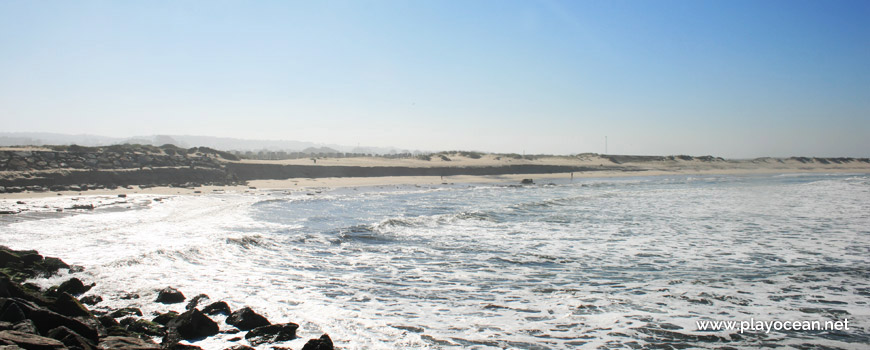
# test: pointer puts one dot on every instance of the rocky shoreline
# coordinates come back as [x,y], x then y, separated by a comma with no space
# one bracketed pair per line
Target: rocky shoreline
[56,318]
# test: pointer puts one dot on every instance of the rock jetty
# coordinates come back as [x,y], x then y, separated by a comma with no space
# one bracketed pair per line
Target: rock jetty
[55,319]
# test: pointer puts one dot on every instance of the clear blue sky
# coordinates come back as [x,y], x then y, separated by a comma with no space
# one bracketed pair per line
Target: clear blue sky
[728,78]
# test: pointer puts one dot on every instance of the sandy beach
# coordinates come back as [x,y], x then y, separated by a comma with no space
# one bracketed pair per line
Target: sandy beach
[610,166]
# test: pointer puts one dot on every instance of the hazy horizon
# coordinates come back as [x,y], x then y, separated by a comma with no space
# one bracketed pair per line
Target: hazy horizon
[737,79]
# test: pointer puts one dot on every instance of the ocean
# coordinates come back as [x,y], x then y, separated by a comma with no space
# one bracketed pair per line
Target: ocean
[605,263]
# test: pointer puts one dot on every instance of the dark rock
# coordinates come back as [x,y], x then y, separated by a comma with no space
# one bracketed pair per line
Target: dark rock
[10,289]
[194,325]
[239,347]
[91,299]
[272,333]
[324,343]
[142,326]
[71,339]
[129,296]
[172,341]
[30,341]
[215,308]
[180,346]
[126,343]
[194,302]
[52,265]
[68,305]
[46,320]
[108,321]
[12,313]
[127,311]
[527,181]
[25,326]
[74,286]
[246,319]
[7,258]
[112,327]
[169,295]
[164,318]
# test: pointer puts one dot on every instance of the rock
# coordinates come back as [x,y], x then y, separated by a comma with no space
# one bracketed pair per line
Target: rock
[171,341]
[126,343]
[68,305]
[129,296]
[193,324]
[215,308]
[7,258]
[71,339]
[11,289]
[527,181]
[169,295]
[239,347]
[246,319]
[127,311]
[25,326]
[324,343]
[91,300]
[113,328]
[142,326]
[74,286]
[52,265]
[164,318]
[46,320]
[12,313]
[272,333]
[194,302]
[30,341]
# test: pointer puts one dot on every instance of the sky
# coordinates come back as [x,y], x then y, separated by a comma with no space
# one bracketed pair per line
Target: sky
[736,79]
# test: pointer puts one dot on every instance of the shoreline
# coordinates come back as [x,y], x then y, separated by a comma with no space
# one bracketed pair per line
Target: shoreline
[306,184]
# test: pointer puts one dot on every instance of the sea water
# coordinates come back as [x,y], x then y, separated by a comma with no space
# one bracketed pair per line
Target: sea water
[591,263]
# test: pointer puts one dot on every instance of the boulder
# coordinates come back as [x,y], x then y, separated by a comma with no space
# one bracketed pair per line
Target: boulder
[172,341]
[29,341]
[68,305]
[165,318]
[194,302]
[323,343]
[215,308]
[91,299]
[246,319]
[25,326]
[127,311]
[74,286]
[142,327]
[126,343]
[169,295]
[12,313]
[239,347]
[129,296]
[193,324]
[46,320]
[112,327]
[71,339]
[272,333]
